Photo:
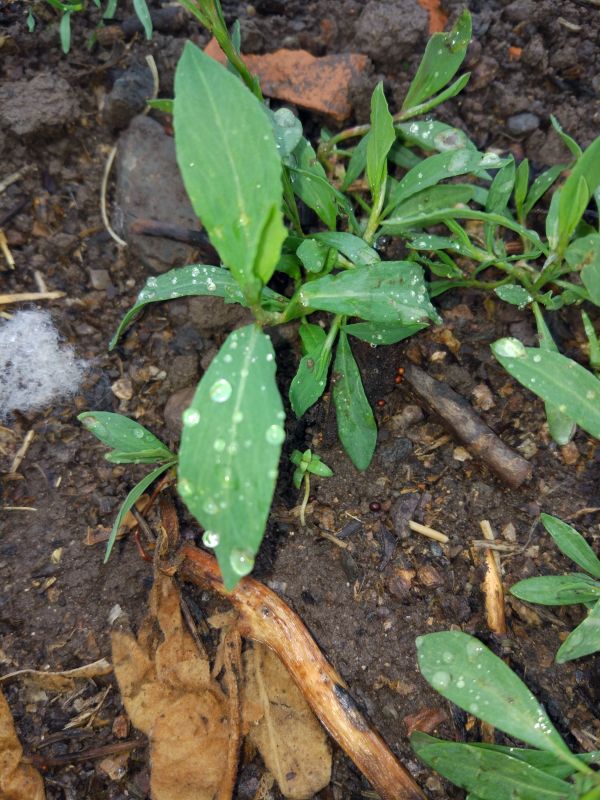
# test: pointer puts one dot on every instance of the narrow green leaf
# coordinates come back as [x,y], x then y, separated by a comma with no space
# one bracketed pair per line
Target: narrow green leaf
[557,590]
[143,14]
[572,544]
[356,424]
[568,141]
[353,247]
[539,759]
[584,640]
[444,195]
[312,337]
[310,183]
[501,188]
[553,220]
[571,208]
[451,91]
[65,32]
[238,199]
[594,344]
[131,442]
[110,10]
[381,137]
[521,186]
[131,499]
[376,333]
[588,169]
[357,164]
[30,21]
[467,673]
[230,448]
[541,185]
[311,378]
[434,135]
[403,157]
[391,291]
[556,379]
[318,467]
[584,255]
[443,56]
[493,775]
[162,104]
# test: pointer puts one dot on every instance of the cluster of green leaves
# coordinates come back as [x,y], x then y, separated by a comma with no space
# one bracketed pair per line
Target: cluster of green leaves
[468,674]
[561,590]
[66,9]
[307,464]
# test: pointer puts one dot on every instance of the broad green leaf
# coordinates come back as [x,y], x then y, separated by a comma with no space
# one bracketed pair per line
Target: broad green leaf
[558,590]
[163,104]
[191,281]
[356,424]
[65,32]
[391,291]
[572,544]
[443,56]
[437,168]
[230,448]
[588,169]
[541,185]
[310,183]
[131,443]
[547,762]
[237,198]
[491,774]
[434,135]
[376,333]
[310,379]
[353,247]
[584,640]
[430,242]
[514,294]
[143,14]
[381,137]
[568,141]
[357,164]
[561,426]
[521,186]
[313,255]
[444,195]
[288,131]
[584,255]
[131,499]
[468,674]
[556,379]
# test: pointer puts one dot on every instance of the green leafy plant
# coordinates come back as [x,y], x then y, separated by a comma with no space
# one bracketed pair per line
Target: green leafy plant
[560,590]
[468,674]
[307,464]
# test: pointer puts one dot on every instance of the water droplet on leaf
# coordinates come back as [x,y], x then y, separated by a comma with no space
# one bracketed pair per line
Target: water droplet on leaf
[241,561]
[220,391]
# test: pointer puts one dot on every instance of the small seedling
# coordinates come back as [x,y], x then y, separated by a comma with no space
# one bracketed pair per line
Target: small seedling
[562,590]
[468,674]
[307,463]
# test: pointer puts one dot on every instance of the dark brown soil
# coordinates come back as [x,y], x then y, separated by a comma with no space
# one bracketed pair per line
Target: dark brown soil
[366,602]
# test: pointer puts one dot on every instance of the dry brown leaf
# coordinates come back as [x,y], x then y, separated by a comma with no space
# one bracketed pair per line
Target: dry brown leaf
[282,726]
[169,695]
[61,681]
[18,781]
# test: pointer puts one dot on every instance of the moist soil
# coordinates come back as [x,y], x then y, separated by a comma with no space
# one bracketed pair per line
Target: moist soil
[367,593]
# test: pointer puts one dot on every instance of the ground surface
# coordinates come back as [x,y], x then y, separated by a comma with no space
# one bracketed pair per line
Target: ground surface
[367,602]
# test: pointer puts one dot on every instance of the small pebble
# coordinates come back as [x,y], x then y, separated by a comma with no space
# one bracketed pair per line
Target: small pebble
[375,506]
[522,124]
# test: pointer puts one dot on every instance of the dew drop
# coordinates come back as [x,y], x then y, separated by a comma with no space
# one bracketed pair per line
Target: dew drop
[473,708]
[220,391]
[275,434]
[191,417]
[460,683]
[241,561]
[210,507]
[138,433]
[219,445]
[440,680]
[590,394]
[448,657]
[537,359]
[474,650]
[510,348]
[184,487]
[237,417]
[210,539]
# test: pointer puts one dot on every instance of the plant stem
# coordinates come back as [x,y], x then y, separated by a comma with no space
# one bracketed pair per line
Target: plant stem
[305,499]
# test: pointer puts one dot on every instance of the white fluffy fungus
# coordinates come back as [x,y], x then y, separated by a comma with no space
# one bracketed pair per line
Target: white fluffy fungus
[35,368]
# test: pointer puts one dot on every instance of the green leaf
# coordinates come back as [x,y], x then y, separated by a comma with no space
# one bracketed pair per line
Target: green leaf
[588,169]
[131,499]
[557,590]
[310,379]
[433,135]
[501,188]
[191,281]
[468,674]
[594,344]
[493,775]
[437,168]
[553,220]
[356,424]
[353,247]
[143,14]
[541,185]
[391,291]
[163,104]
[110,10]
[238,198]
[357,164]
[451,91]
[513,294]
[313,255]
[230,448]
[381,137]
[443,56]
[310,183]
[30,21]
[65,32]
[547,762]
[556,379]
[584,640]
[568,141]
[288,131]
[572,544]
[521,186]
[131,442]
[318,467]
[444,195]
[584,255]
[376,333]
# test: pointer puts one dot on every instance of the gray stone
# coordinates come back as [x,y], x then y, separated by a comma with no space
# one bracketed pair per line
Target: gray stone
[128,96]
[212,315]
[176,405]
[100,279]
[149,186]
[183,371]
[39,106]
[522,124]
[389,32]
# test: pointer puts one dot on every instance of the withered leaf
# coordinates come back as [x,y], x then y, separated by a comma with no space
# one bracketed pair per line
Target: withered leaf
[18,781]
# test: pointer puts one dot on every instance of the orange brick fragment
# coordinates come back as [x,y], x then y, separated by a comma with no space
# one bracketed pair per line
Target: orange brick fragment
[437,18]
[318,84]
[514,53]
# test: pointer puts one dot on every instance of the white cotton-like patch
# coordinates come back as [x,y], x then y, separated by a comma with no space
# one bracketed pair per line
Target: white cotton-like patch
[35,368]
